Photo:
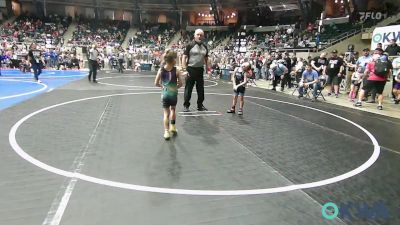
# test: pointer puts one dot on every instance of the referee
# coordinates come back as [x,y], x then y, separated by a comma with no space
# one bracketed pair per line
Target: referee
[194,59]
[93,65]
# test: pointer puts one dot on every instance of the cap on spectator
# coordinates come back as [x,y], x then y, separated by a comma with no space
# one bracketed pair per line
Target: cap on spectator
[366,49]
[334,51]
[379,49]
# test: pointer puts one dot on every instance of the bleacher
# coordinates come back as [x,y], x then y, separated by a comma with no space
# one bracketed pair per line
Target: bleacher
[103,33]
[154,36]
[30,29]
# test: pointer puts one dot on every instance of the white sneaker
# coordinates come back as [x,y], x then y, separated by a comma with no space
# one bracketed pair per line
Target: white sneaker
[39,81]
[167,136]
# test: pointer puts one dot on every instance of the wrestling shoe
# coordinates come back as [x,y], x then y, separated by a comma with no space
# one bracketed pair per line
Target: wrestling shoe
[167,136]
[173,130]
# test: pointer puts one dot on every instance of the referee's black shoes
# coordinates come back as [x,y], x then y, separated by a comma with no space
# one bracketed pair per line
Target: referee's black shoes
[201,108]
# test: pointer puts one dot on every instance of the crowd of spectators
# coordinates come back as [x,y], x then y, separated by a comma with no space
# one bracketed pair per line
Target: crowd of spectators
[280,39]
[144,48]
[263,50]
[131,58]
[103,33]
[48,30]
[153,36]
[338,71]
[53,58]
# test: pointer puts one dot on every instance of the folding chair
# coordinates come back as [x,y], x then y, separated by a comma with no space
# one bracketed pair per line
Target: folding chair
[320,89]
[319,94]
[296,87]
[308,93]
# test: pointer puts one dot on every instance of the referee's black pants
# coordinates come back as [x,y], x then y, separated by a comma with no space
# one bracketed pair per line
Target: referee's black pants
[120,65]
[93,69]
[195,76]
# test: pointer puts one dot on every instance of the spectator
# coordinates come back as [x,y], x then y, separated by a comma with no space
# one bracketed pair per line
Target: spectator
[319,63]
[24,66]
[377,51]
[393,49]
[356,80]
[299,68]
[395,84]
[309,79]
[396,88]
[74,62]
[365,59]
[287,77]
[350,62]
[334,69]
[277,71]
[376,80]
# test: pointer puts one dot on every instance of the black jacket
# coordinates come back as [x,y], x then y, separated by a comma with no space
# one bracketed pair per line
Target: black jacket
[393,50]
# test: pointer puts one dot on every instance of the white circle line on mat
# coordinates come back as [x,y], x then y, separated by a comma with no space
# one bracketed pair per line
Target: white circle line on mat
[144,87]
[14,144]
[44,86]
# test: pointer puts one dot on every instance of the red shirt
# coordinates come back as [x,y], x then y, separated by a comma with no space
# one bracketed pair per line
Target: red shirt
[372,75]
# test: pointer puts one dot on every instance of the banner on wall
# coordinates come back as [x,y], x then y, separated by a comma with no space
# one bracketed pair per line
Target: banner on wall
[372,16]
[369,5]
[384,35]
